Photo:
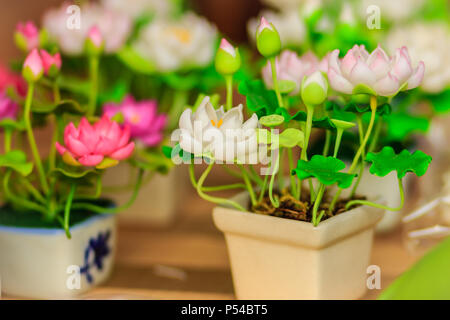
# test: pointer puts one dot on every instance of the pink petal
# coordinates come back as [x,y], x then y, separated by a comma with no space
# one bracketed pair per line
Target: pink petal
[227,47]
[362,74]
[105,146]
[34,62]
[114,133]
[152,140]
[379,63]
[417,77]
[70,130]
[90,160]
[125,137]
[102,126]
[76,146]
[387,86]
[402,68]
[60,148]
[333,61]
[339,83]
[348,62]
[124,152]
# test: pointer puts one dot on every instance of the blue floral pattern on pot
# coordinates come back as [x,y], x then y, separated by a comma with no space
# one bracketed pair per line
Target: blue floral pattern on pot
[95,253]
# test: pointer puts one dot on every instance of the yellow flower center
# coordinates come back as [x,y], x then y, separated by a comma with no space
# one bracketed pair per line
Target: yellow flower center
[182,35]
[219,123]
[135,119]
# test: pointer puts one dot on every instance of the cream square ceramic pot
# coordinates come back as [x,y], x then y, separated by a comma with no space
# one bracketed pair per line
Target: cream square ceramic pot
[155,205]
[44,264]
[276,258]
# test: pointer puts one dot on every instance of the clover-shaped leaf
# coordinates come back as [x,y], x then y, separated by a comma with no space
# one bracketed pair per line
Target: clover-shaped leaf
[322,122]
[324,169]
[272,120]
[291,137]
[17,161]
[259,100]
[11,124]
[386,160]
[383,109]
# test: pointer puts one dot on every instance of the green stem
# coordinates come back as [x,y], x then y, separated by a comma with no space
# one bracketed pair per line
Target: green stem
[93,73]
[213,188]
[263,188]
[254,176]
[67,208]
[363,157]
[317,204]
[180,99]
[376,135]
[275,81]
[373,106]
[8,136]
[217,200]
[31,140]
[249,185]
[232,172]
[303,156]
[291,167]
[326,147]
[229,85]
[377,205]
[281,170]
[337,144]
[274,200]
[33,191]
[56,92]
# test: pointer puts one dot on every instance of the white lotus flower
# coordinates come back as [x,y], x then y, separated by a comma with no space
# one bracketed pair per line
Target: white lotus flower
[137,8]
[114,28]
[223,135]
[171,45]
[288,24]
[430,43]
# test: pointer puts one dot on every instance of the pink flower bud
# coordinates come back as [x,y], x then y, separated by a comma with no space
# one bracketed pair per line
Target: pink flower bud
[227,47]
[95,36]
[52,64]
[33,67]
[263,25]
[27,36]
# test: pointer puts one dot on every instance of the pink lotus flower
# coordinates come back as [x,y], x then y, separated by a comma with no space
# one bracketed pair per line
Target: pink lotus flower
[142,118]
[8,108]
[27,36]
[10,79]
[293,68]
[375,73]
[33,66]
[50,62]
[90,144]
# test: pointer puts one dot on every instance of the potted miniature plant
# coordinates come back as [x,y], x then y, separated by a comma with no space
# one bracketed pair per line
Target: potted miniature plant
[306,238]
[57,231]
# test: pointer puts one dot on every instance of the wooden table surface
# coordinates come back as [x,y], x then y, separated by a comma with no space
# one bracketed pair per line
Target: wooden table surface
[189,260]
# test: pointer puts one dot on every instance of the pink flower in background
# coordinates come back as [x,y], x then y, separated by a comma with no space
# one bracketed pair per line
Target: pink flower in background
[145,123]
[114,26]
[90,144]
[27,36]
[292,67]
[383,75]
[95,36]
[10,79]
[50,61]
[8,108]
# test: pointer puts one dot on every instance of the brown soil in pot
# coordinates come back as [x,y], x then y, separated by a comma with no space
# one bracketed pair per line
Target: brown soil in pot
[291,208]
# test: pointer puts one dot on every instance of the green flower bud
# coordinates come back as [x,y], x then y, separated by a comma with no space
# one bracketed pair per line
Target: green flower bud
[268,39]
[228,59]
[314,89]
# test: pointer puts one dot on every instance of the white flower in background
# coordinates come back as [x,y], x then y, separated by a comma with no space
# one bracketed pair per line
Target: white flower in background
[288,24]
[176,44]
[224,135]
[392,10]
[293,68]
[430,43]
[114,27]
[137,8]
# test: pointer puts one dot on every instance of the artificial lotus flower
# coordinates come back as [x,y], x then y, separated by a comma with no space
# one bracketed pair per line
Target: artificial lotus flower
[33,67]
[114,26]
[314,88]
[223,135]
[27,36]
[94,41]
[145,124]
[375,73]
[430,42]
[138,8]
[52,63]
[293,68]
[90,145]
[183,43]
[228,59]
[288,24]
[8,108]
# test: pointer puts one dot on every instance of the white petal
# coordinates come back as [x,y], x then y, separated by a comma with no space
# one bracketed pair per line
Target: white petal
[333,61]
[189,144]
[362,74]
[417,77]
[401,67]
[338,82]
[185,122]
[387,85]
[251,123]
[348,62]
[233,119]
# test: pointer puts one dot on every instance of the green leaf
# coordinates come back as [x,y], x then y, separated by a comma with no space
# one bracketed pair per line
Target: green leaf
[17,161]
[12,124]
[107,163]
[64,106]
[386,161]
[286,86]
[324,169]
[135,61]
[427,279]
[264,136]
[344,125]
[383,109]
[401,125]
[290,138]
[71,175]
[259,100]
[272,120]
[322,122]
[440,101]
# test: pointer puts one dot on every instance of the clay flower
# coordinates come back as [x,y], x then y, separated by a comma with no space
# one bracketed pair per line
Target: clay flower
[8,108]
[141,117]
[375,73]
[33,67]
[114,26]
[52,63]
[225,136]
[430,42]
[293,68]
[89,145]
[27,36]
[288,24]
[183,43]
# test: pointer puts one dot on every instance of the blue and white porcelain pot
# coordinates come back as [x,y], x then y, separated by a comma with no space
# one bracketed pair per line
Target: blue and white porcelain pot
[43,263]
